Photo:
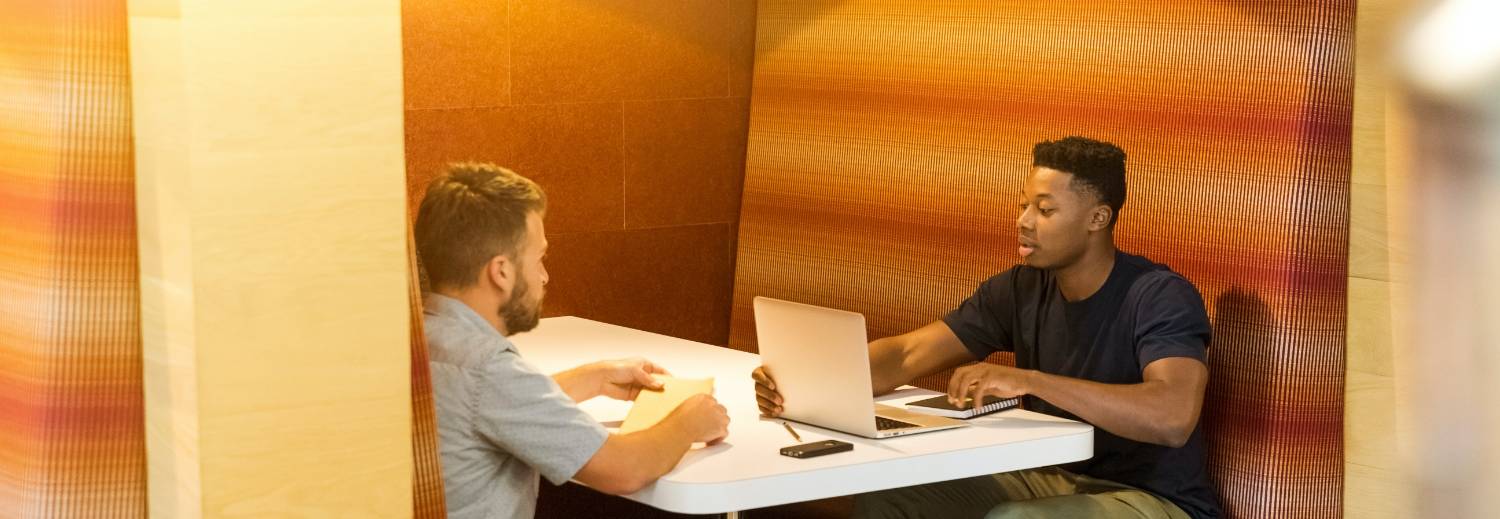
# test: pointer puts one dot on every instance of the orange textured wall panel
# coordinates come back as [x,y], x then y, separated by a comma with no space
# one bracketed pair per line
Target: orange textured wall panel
[631,115]
[71,432]
[888,142]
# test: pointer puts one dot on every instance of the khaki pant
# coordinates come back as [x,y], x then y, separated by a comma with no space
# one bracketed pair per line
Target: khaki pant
[1036,493]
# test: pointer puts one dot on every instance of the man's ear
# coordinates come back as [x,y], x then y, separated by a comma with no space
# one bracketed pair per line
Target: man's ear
[500,273]
[1099,218]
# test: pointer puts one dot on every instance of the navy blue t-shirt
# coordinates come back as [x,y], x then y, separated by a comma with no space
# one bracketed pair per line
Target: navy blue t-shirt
[1144,312]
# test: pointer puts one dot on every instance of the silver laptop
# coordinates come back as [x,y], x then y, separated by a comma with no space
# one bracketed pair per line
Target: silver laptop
[820,361]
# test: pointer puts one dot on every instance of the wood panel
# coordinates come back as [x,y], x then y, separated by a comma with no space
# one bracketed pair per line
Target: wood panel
[1376,484]
[273,257]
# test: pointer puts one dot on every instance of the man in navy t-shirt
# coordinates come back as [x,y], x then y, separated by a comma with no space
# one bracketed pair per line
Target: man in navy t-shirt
[1099,335]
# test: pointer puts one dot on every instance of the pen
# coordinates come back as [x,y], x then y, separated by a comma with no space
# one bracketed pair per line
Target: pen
[789,429]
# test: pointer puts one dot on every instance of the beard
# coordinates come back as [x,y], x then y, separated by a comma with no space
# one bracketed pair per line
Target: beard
[522,314]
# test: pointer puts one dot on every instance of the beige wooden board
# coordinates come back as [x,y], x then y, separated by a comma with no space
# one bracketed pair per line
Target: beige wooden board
[271,200]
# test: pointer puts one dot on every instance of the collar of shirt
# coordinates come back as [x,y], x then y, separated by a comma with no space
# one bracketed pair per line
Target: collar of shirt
[439,305]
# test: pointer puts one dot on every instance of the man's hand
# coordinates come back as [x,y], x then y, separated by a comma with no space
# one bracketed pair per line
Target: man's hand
[976,381]
[629,462]
[765,393]
[623,379]
[701,418]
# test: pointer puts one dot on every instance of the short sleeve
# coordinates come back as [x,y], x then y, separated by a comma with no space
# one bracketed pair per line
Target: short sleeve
[525,413]
[983,321]
[1170,320]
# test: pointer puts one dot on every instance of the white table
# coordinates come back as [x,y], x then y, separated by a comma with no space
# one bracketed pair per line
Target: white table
[746,471]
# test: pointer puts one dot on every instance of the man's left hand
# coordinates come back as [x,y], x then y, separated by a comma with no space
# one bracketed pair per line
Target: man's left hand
[976,381]
[623,379]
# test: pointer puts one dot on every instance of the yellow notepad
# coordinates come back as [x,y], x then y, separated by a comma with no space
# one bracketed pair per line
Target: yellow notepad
[652,406]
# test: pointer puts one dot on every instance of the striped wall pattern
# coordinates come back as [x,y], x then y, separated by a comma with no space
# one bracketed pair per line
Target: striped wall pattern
[427,484]
[71,430]
[888,142]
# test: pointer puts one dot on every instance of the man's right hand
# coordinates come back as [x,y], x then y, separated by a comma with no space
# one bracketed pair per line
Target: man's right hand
[702,418]
[765,393]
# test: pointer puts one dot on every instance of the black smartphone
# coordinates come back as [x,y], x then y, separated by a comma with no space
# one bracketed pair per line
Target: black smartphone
[815,449]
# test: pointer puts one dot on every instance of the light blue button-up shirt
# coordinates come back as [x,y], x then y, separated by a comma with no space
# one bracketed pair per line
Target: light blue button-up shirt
[500,421]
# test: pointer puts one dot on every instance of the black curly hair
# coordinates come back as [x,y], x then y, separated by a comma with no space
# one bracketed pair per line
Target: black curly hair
[1097,167]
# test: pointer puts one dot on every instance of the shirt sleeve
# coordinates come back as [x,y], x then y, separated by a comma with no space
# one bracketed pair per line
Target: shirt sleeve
[983,321]
[525,413]
[1171,321]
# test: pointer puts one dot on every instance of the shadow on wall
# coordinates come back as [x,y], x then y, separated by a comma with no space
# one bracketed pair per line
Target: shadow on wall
[1241,361]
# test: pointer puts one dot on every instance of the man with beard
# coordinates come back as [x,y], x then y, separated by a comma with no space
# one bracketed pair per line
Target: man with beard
[1099,335]
[501,422]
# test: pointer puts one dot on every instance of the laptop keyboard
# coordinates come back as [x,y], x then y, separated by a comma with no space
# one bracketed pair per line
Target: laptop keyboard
[885,424]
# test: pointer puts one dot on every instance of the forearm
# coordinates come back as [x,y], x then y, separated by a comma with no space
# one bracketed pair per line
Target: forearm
[662,447]
[1147,412]
[896,361]
[886,365]
[628,462]
[580,383]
